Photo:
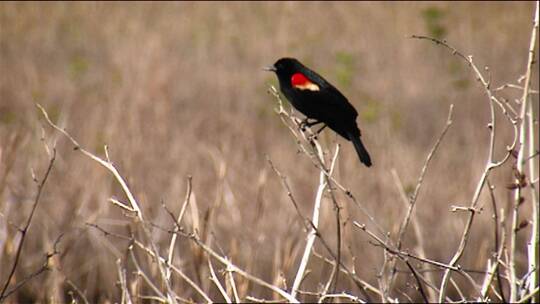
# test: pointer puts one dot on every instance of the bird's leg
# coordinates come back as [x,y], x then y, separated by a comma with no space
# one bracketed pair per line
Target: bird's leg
[307,124]
[314,135]
[303,124]
[322,128]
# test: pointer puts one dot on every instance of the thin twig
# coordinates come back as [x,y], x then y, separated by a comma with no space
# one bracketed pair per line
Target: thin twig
[334,275]
[353,275]
[107,164]
[126,297]
[490,164]
[216,281]
[498,240]
[237,269]
[348,298]
[259,300]
[285,184]
[534,243]
[44,267]
[312,235]
[148,281]
[513,86]
[418,282]
[411,203]
[159,259]
[364,286]
[230,282]
[534,292]
[79,292]
[178,224]
[520,163]
[403,255]
[134,205]
[24,230]
[414,197]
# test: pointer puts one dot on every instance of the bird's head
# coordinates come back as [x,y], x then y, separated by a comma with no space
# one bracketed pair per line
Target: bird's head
[293,74]
[285,67]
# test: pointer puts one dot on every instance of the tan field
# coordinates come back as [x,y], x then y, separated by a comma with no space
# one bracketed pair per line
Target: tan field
[177,90]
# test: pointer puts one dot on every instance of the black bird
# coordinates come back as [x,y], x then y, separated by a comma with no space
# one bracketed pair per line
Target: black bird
[317,99]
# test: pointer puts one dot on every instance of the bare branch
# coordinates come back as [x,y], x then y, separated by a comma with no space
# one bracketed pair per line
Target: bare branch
[24,230]
[311,235]
[178,224]
[527,109]
[216,281]
[44,267]
[107,164]
[412,201]
[490,164]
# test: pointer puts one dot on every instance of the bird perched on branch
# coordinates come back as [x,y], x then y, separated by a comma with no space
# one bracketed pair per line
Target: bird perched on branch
[319,101]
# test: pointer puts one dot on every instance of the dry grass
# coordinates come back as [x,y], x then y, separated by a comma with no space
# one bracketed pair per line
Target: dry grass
[176,89]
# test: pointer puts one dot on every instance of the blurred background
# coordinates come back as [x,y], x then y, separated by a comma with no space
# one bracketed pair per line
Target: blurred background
[177,90]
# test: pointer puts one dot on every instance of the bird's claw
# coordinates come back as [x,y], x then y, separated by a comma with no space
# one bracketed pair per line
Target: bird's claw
[312,137]
[303,124]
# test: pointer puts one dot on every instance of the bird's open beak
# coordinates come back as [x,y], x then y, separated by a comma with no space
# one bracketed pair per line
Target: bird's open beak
[270,68]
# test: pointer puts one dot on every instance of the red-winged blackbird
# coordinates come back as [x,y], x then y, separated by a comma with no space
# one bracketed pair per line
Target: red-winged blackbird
[317,99]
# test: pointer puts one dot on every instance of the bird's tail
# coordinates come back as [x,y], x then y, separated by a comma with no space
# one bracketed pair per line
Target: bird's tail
[360,149]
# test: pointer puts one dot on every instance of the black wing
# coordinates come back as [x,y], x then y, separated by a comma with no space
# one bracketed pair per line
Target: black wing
[329,94]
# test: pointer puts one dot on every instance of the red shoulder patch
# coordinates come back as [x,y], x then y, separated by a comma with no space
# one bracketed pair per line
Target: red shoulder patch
[299,79]
[301,82]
